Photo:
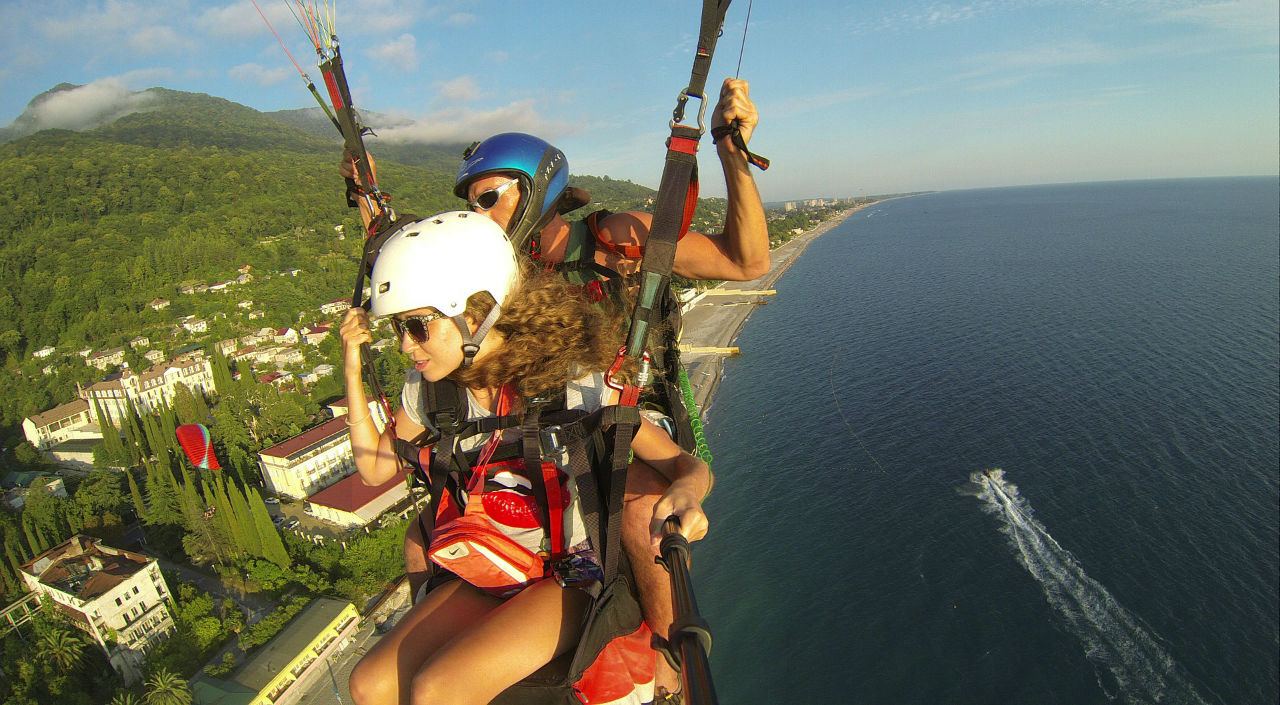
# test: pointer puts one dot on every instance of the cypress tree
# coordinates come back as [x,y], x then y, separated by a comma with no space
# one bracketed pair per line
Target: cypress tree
[41,541]
[110,436]
[32,540]
[156,444]
[189,500]
[248,529]
[225,507]
[202,405]
[272,545]
[222,520]
[139,507]
[164,503]
[15,564]
[169,427]
[222,379]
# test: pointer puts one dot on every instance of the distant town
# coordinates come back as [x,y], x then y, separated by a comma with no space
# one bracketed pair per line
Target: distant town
[203,573]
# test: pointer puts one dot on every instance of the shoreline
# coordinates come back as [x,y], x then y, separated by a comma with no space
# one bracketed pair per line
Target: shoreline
[719,324]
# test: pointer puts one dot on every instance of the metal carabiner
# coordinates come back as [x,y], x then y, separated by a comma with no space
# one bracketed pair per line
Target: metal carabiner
[677,115]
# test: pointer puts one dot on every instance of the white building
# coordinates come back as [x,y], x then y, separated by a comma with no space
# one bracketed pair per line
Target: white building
[61,423]
[118,598]
[310,461]
[351,503]
[196,325]
[333,308]
[150,389]
[106,358]
[43,352]
[140,341]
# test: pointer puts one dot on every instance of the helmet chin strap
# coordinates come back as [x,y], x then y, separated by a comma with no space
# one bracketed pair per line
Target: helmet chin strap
[471,341]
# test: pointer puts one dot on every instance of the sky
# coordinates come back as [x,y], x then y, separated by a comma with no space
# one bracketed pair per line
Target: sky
[855,98]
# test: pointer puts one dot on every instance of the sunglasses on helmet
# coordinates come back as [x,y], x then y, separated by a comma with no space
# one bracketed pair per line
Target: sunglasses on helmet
[489,199]
[415,326]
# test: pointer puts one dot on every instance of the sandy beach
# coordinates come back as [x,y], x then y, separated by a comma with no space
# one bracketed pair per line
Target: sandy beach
[715,321]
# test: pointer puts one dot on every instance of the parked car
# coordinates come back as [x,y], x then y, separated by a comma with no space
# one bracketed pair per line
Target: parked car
[293,524]
[271,500]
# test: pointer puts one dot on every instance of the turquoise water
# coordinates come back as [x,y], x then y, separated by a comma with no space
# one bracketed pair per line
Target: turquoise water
[1113,348]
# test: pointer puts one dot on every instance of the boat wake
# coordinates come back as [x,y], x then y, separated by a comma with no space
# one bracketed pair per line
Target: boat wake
[1143,672]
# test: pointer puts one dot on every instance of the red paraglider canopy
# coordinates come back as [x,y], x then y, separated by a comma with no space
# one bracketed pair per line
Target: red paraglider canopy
[198,445]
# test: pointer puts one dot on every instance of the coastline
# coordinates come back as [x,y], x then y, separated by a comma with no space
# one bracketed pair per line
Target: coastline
[718,321]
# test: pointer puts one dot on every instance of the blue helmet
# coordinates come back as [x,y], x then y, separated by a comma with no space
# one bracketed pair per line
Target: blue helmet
[541,169]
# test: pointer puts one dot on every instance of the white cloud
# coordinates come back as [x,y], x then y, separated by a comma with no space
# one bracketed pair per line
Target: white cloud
[462,89]
[464,124]
[461,19]
[87,106]
[801,105]
[114,18]
[154,39]
[239,19]
[1258,21]
[255,74]
[401,52]
[1038,58]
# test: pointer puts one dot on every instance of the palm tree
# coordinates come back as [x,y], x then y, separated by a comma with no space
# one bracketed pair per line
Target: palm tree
[124,697]
[62,648]
[166,688]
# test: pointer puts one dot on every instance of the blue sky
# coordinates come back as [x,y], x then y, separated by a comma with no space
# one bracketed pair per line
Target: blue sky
[855,97]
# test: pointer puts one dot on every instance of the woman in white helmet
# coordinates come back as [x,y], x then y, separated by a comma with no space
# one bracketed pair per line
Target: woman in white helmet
[463,311]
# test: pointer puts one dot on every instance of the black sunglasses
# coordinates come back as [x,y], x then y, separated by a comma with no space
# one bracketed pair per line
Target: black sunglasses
[415,326]
[489,199]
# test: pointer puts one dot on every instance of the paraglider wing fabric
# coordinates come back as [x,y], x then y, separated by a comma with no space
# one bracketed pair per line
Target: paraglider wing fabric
[198,446]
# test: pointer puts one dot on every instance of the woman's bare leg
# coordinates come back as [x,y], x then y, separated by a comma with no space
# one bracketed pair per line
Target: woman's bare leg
[510,642]
[384,675]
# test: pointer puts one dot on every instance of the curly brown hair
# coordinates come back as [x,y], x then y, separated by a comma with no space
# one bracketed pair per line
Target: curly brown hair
[553,335]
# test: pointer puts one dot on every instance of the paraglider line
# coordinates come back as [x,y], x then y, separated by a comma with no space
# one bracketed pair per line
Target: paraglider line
[832,380]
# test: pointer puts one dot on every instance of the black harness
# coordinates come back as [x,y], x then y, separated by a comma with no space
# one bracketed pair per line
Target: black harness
[597,446]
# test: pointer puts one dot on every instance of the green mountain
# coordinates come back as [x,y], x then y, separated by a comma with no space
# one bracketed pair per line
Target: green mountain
[163,188]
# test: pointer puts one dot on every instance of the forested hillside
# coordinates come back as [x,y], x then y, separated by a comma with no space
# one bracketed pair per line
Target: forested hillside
[96,224]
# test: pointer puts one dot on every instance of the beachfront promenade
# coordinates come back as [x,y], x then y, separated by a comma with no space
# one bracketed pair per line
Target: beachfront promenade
[715,321]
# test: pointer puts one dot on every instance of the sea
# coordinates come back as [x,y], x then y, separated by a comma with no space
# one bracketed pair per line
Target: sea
[1012,445]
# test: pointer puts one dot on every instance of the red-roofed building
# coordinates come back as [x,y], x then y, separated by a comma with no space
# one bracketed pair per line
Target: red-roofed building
[310,461]
[117,597]
[351,503]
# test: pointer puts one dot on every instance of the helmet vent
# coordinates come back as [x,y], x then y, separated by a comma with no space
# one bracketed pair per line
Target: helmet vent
[384,287]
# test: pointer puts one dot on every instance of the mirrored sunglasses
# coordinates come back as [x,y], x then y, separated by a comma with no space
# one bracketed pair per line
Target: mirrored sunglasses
[415,326]
[489,199]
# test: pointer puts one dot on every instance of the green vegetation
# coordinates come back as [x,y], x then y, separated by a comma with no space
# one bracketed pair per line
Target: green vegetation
[49,661]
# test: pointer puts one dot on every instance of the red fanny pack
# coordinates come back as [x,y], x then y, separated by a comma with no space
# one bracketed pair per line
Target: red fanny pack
[473,548]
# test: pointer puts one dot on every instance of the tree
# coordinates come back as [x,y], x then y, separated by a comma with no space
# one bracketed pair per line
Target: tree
[167,688]
[164,506]
[28,456]
[184,405]
[222,379]
[62,648]
[124,697]
[99,505]
[139,506]
[272,546]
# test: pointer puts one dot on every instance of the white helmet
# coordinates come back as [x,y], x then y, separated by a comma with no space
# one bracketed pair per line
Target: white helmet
[439,262]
